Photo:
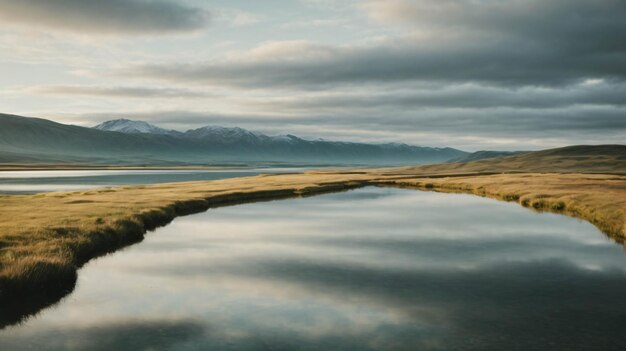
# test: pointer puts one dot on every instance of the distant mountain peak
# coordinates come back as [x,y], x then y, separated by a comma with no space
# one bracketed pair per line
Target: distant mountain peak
[128,126]
[127,141]
[225,134]
[220,129]
[234,143]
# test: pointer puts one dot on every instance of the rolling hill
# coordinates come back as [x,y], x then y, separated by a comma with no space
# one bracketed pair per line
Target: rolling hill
[571,159]
[24,139]
[483,155]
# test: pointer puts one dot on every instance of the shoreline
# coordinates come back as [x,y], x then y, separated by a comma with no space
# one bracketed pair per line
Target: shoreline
[24,168]
[613,226]
[61,167]
[43,251]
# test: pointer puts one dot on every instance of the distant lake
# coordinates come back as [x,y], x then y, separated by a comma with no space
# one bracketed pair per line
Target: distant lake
[369,269]
[30,182]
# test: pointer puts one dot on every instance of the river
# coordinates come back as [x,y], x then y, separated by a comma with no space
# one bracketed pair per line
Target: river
[368,269]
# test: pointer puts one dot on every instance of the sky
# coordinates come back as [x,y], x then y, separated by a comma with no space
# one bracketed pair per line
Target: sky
[470,74]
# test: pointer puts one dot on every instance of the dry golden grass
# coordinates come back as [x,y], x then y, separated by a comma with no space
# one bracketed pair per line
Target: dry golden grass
[605,159]
[599,199]
[45,237]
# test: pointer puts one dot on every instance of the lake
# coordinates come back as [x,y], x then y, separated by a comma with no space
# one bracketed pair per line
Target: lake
[368,269]
[31,182]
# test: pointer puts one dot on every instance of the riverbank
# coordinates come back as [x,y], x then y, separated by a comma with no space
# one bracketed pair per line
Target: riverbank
[597,198]
[44,238]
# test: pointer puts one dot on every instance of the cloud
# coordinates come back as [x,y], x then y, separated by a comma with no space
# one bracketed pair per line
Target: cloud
[507,128]
[568,23]
[455,72]
[467,96]
[104,17]
[401,61]
[121,92]
[538,73]
[281,51]
[242,19]
[487,42]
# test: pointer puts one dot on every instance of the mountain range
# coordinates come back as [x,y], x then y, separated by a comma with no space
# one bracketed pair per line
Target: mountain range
[123,141]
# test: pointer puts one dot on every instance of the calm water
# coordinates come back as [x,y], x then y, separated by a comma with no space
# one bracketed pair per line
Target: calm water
[29,182]
[370,269]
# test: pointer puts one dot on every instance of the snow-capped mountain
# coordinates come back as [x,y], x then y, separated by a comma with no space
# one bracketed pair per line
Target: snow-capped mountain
[216,144]
[133,127]
[226,135]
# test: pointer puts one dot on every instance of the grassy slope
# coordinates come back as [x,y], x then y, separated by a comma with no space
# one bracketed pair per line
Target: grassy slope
[580,159]
[44,238]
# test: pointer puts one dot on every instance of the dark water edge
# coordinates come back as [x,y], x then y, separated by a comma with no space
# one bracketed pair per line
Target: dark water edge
[16,310]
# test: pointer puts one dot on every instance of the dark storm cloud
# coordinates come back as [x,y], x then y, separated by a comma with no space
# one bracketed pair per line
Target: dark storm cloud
[468,96]
[580,24]
[122,92]
[108,17]
[511,43]
[494,122]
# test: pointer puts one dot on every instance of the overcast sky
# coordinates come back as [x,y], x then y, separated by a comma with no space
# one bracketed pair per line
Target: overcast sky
[471,74]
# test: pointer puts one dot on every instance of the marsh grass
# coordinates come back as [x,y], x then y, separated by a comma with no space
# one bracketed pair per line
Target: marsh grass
[599,199]
[44,239]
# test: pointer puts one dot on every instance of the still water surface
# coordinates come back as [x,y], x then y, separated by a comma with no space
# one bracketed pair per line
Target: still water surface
[369,269]
[30,182]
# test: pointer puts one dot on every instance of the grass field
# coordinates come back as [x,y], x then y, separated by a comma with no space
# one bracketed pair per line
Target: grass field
[44,238]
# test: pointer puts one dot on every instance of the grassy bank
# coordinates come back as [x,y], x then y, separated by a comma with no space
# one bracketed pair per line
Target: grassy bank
[43,238]
[599,199]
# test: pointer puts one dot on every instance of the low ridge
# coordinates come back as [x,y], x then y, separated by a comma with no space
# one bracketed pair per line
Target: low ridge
[139,143]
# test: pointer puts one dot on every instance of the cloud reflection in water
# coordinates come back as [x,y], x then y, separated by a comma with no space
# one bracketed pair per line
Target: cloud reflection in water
[370,269]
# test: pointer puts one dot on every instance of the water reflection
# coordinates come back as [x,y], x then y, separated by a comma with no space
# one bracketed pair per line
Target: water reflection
[30,182]
[370,269]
